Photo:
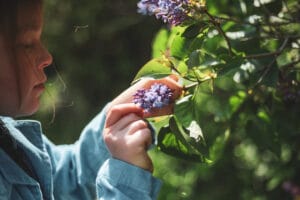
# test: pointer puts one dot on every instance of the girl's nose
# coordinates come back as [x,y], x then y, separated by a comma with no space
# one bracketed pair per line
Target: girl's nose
[45,58]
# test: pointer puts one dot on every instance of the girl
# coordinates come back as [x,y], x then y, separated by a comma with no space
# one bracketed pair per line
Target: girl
[110,158]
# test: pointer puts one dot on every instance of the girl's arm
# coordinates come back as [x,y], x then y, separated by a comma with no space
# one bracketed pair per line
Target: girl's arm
[122,172]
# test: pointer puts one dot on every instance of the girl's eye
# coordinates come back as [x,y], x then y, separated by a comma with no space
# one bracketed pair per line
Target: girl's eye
[26,45]
[29,46]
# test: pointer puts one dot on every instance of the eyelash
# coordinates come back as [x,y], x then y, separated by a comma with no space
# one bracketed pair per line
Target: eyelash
[26,45]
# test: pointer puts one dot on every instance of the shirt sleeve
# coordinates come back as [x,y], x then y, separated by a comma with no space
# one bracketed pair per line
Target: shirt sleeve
[118,180]
[76,168]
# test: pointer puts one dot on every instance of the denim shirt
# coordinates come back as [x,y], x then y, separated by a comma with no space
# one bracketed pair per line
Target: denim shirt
[83,170]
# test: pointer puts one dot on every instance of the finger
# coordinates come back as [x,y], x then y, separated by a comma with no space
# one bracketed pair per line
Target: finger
[155,112]
[136,126]
[173,77]
[171,81]
[144,136]
[125,121]
[118,111]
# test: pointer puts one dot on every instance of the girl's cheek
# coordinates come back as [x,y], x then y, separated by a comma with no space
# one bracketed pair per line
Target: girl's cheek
[27,57]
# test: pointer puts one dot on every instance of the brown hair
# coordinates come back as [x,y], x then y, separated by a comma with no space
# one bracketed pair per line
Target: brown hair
[8,16]
[9,29]
[8,19]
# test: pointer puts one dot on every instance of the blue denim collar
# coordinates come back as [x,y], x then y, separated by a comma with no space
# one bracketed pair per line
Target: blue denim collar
[30,131]
[12,172]
[28,135]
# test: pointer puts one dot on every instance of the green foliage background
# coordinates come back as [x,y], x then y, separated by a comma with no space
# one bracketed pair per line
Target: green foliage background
[99,46]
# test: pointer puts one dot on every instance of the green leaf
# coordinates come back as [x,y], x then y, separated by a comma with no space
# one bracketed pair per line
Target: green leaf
[193,30]
[263,115]
[160,43]
[194,59]
[175,141]
[274,6]
[159,122]
[183,110]
[183,43]
[169,143]
[272,76]
[213,44]
[182,67]
[230,65]
[177,129]
[217,148]
[195,132]
[236,101]
[156,68]
[203,59]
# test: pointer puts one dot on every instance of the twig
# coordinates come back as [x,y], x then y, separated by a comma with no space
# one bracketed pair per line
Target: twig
[268,68]
[78,27]
[289,65]
[255,24]
[217,25]
[191,85]
[262,55]
[275,53]
[286,5]
[265,72]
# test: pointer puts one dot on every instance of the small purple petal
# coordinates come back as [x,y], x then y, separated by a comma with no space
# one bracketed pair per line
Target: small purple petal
[173,12]
[158,96]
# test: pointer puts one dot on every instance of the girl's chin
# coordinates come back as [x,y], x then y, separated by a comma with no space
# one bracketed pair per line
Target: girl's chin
[29,109]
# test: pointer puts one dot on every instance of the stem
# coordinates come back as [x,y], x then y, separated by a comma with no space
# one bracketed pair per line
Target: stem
[290,65]
[268,68]
[217,25]
[255,24]
[261,55]
[174,68]
[190,85]
[275,53]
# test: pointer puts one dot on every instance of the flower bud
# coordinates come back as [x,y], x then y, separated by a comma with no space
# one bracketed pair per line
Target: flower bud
[157,96]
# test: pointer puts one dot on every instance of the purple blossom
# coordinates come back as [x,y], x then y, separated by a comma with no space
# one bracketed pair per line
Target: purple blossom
[291,188]
[173,12]
[147,7]
[158,96]
[289,90]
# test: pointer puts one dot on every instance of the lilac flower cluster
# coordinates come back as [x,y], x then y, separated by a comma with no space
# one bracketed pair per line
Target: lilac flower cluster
[291,188]
[170,11]
[289,90]
[158,96]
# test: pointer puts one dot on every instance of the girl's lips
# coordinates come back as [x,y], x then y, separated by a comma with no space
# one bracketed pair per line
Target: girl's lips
[39,88]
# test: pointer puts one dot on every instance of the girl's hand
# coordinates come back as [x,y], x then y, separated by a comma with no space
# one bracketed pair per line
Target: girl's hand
[146,83]
[127,135]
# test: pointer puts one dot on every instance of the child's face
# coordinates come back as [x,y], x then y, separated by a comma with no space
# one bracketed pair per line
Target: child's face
[22,78]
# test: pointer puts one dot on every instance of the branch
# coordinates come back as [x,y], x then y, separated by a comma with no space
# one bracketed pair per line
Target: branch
[262,55]
[217,25]
[275,53]
[256,24]
[268,68]
[289,65]
[186,87]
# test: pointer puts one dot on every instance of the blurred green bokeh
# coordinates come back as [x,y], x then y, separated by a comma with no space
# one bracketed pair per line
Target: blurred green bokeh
[98,47]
